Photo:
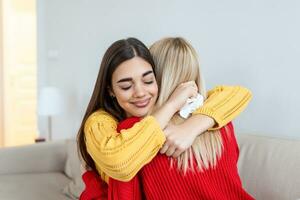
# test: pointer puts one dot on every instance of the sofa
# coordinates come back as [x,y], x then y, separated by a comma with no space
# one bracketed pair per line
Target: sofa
[42,171]
[269,169]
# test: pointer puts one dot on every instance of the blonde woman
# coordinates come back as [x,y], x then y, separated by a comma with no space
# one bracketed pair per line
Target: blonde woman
[206,170]
[169,55]
[122,156]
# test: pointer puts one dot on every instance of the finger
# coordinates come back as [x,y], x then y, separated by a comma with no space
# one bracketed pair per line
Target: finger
[193,84]
[177,153]
[196,93]
[166,131]
[164,148]
[193,93]
[170,151]
[188,83]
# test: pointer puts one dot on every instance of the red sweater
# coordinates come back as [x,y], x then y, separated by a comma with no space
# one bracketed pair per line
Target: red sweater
[159,181]
[95,188]
[221,182]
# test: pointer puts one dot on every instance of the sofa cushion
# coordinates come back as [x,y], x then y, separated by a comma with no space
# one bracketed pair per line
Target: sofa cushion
[46,186]
[36,158]
[74,170]
[270,167]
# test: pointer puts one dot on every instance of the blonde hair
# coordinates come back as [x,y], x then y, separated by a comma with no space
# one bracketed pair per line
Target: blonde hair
[176,62]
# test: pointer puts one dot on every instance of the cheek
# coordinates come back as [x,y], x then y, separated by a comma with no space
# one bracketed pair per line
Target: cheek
[122,97]
[120,94]
[154,90]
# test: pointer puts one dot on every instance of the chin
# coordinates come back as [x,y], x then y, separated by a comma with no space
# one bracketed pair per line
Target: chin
[140,114]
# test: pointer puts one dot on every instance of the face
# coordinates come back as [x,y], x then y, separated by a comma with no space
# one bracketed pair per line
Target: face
[135,87]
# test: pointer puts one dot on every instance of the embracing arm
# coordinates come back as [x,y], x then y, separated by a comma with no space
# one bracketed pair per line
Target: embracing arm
[224,103]
[121,156]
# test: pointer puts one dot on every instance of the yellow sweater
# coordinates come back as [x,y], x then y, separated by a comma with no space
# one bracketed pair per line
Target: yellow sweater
[121,156]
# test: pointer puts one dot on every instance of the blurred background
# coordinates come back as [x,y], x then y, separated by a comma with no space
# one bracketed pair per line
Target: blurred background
[50,53]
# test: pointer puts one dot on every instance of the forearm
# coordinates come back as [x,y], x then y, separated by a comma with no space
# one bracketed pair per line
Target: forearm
[175,101]
[121,156]
[124,165]
[224,103]
[164,114]
[198,124]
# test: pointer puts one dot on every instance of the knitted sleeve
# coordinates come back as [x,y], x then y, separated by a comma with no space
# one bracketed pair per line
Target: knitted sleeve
[224,103]
[121,156]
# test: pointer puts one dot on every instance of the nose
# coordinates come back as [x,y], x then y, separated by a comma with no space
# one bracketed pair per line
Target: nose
[139,90]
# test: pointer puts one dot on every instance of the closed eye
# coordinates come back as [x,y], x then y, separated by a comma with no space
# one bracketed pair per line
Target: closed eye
[148,82]
[126,88]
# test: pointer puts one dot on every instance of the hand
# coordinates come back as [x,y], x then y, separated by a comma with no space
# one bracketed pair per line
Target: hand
[182,92]
[177,140]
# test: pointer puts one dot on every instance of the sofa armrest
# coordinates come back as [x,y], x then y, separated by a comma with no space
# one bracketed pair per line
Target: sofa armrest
[270,167]
[35,158]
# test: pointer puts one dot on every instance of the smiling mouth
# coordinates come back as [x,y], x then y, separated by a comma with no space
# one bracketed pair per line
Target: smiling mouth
[141,104]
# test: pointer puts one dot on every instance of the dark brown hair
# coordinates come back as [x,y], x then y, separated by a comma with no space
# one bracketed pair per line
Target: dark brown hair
[117,53]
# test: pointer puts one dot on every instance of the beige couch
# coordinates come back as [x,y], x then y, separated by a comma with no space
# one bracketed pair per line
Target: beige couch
[269,168]
[43,171]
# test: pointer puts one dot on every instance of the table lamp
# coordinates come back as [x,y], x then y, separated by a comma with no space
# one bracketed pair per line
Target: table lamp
[50,104]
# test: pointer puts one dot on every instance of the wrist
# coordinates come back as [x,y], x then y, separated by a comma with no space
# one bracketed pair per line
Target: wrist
[171,108]
[198,124]
[192,131]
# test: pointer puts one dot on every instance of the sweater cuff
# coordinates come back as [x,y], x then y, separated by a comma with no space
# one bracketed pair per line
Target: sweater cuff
[210,113]
[161,138]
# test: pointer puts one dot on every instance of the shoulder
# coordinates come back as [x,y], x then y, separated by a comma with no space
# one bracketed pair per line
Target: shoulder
[100,116]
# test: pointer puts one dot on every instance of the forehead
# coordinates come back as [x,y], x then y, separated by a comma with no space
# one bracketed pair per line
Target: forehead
[133,68]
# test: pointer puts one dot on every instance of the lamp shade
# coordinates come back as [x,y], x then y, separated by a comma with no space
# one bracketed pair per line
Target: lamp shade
[50,102]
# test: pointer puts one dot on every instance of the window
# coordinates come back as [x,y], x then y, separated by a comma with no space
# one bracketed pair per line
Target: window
[18,80]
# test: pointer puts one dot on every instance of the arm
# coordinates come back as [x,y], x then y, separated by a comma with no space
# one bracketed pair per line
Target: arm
[224,103]
[122,156]
[175,102]
[181,137]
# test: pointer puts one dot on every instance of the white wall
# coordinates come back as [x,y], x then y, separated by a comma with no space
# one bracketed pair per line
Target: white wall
[252,43]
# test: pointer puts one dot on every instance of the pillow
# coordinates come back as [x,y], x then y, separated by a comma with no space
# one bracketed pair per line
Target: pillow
[73,170]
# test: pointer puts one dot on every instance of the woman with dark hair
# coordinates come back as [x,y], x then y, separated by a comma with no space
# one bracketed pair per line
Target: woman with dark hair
[126,87]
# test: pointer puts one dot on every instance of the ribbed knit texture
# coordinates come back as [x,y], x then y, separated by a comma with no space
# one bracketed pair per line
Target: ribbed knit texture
[95,188]
[224,103]
[162,182]
[118,190]
[121,157]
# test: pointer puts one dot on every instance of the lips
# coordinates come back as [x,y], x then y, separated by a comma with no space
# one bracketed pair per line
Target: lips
[141,103]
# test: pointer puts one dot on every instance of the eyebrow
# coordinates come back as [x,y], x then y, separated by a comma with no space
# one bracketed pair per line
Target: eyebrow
[130,79]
